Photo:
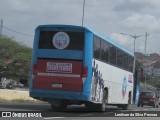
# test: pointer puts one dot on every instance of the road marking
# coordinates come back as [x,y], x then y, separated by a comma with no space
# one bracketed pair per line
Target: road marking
[53,118]
[85,115]
[108,112]
[136,110]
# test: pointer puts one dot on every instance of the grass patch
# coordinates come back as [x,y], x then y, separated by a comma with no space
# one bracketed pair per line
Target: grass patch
[18,101]
[13,96]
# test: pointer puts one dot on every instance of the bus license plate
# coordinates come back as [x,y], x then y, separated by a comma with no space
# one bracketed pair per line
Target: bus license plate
[56,85]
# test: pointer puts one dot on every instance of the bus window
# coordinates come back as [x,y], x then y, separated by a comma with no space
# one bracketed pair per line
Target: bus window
[104,51]
[112,55]
[120,58]
[76,40]
[130,63]
[125,61]
[97,48]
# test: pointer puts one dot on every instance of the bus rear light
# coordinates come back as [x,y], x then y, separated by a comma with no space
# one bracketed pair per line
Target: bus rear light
[34,71]
[84,73]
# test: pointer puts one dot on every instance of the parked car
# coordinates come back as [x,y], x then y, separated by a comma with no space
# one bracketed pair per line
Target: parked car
[7,83]
[158,93]
[0,84]
[148,98]
[4,82]
[20,85]
[11,85]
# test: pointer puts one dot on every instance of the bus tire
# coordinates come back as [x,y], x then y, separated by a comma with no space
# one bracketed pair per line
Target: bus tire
[91,106]
[124,107]
[102,107]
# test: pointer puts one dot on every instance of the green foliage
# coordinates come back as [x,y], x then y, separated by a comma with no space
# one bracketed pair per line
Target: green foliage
[15,58]
[151,81]
[154,83]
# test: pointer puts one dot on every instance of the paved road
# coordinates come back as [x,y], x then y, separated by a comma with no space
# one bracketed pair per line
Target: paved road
[72,112]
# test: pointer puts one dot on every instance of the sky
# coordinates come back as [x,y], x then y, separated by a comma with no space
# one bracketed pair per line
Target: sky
[109,18]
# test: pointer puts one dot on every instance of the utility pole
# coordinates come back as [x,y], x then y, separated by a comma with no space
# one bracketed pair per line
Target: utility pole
[146,59]
[83,12]
[146,35]
[1,26]
[135,37]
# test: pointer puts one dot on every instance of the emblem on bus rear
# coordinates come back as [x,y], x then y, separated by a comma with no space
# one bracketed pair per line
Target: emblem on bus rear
[61,40]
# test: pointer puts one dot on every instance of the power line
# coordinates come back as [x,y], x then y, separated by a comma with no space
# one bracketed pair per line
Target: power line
[15,31]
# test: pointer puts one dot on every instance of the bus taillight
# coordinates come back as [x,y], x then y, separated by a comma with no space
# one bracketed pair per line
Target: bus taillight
[34,71]
[84,73]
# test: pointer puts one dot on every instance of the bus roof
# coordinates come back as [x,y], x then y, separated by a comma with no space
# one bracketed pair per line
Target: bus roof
[88,29]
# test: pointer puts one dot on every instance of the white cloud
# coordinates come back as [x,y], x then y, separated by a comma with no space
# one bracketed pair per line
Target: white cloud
[123,40]
[106,17]
[135,6]
[120,38]
[140,21]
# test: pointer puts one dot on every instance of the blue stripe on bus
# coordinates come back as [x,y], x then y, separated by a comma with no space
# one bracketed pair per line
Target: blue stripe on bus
[88,56]
[60,28]
[59,94]
[35,46]
[66,54]
[34,55]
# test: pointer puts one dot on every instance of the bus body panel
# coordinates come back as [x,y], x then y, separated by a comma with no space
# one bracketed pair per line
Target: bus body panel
[119,83]
[56,54]
[52,75]
[49,95]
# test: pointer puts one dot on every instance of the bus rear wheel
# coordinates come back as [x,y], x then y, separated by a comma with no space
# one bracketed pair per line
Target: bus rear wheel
[102,107]
[60,107]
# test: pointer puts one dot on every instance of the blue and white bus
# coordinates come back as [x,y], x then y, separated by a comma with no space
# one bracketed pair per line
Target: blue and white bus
[74,65]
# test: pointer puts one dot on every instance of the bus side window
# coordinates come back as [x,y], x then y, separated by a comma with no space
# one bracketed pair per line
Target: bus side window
[97,48]
[113,58]
[120,58]
[130,63]
[104,51]
[125,62]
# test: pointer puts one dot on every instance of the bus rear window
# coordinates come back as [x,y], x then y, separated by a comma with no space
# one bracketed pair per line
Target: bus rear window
[61,40]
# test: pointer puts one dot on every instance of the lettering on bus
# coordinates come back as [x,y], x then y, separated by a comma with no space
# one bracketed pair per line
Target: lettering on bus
[59,67]
[124,87]
[130,79]
[97,86]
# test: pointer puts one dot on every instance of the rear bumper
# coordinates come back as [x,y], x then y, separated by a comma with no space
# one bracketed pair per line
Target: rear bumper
[50,94]
[150,103]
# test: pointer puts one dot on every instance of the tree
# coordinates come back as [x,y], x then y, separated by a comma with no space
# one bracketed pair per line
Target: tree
[15,57]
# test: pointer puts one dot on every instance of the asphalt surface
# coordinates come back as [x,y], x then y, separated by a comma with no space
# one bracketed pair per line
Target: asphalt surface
[72,112]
